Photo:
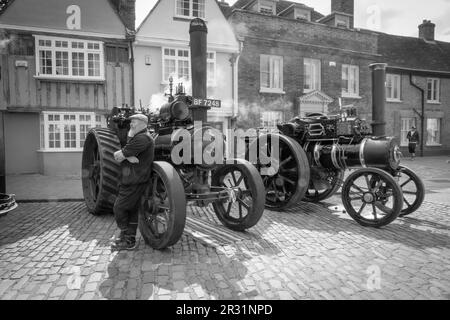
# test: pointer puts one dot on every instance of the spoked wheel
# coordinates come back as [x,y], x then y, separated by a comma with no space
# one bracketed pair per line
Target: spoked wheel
[162,212]
[413,190]
[100,172]
[372,197]
[288,186]
[246,202]
[323,184]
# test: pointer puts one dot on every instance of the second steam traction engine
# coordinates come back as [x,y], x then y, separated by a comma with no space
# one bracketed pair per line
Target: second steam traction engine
[315,151]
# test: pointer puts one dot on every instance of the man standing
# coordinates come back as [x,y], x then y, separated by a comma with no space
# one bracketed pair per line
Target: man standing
[413,138]
[135,160]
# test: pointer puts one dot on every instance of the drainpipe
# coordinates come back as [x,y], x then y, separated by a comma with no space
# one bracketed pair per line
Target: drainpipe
[132,70]
[234,60]
[2,154]
[131,36]
[421,115]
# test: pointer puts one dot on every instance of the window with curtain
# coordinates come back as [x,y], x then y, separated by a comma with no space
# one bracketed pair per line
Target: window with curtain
[271,73]
[350,80]
[433,131]
[311,75]
[190,8]
[393,87]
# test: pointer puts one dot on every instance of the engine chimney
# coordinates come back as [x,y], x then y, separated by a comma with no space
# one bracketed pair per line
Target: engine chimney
[198,37]
[426,30]
[378,98]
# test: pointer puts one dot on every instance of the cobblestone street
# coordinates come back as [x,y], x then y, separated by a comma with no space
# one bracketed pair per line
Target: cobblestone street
[60,251]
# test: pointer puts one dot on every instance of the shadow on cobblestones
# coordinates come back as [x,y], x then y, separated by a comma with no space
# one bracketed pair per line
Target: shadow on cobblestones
[409,231]
[47,221]
[188,270]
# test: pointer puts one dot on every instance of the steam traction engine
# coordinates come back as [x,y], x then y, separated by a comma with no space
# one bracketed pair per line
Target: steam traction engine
[234,187]
[315,151]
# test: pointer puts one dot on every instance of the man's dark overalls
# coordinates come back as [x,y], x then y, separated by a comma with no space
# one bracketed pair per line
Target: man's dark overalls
[133,181]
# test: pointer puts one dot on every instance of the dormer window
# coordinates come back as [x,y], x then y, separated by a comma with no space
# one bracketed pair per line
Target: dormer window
[266,7]
[190,8]
[302,14]
[342,21]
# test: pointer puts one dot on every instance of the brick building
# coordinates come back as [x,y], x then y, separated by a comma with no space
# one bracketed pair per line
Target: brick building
[418,83]
[296,61]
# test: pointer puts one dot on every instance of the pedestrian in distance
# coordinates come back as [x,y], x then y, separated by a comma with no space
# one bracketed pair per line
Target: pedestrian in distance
[135,159]
[413,141]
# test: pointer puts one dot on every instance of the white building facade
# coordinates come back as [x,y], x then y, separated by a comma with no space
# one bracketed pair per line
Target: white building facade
[162,50]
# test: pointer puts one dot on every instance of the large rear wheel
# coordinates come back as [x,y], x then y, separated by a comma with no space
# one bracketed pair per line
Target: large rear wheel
[287,186]
[162,212]
[100,172]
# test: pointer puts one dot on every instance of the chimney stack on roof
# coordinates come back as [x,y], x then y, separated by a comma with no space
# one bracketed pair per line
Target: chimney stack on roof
[344,6]
[127,11]
[426,30]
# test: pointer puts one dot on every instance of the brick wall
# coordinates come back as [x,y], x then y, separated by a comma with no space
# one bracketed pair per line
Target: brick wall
[411,100]
[294,41]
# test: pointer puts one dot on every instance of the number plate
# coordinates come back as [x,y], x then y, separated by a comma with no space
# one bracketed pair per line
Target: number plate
[206,103]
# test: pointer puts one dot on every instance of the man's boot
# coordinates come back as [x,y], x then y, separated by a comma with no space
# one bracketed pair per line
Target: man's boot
[118,238]
[126,243]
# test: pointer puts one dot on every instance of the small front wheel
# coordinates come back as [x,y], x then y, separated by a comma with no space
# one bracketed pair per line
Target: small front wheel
[162,211]
[245,205]
[413,190]
[372,197]
[323,184]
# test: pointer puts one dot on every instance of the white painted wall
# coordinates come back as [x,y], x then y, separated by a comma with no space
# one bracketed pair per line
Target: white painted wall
[160,29]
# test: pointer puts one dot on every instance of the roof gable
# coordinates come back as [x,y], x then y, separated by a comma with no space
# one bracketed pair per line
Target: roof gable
[81,17]
[176,29]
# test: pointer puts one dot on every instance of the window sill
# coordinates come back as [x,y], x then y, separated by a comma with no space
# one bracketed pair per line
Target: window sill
[434,145]
[350,96]
[433,102]
[306,91]
[70,79]
[394,100]
[269,90]
[59,150]
[186,18]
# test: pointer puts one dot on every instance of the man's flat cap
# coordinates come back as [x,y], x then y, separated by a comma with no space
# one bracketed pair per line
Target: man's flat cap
[140,116]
